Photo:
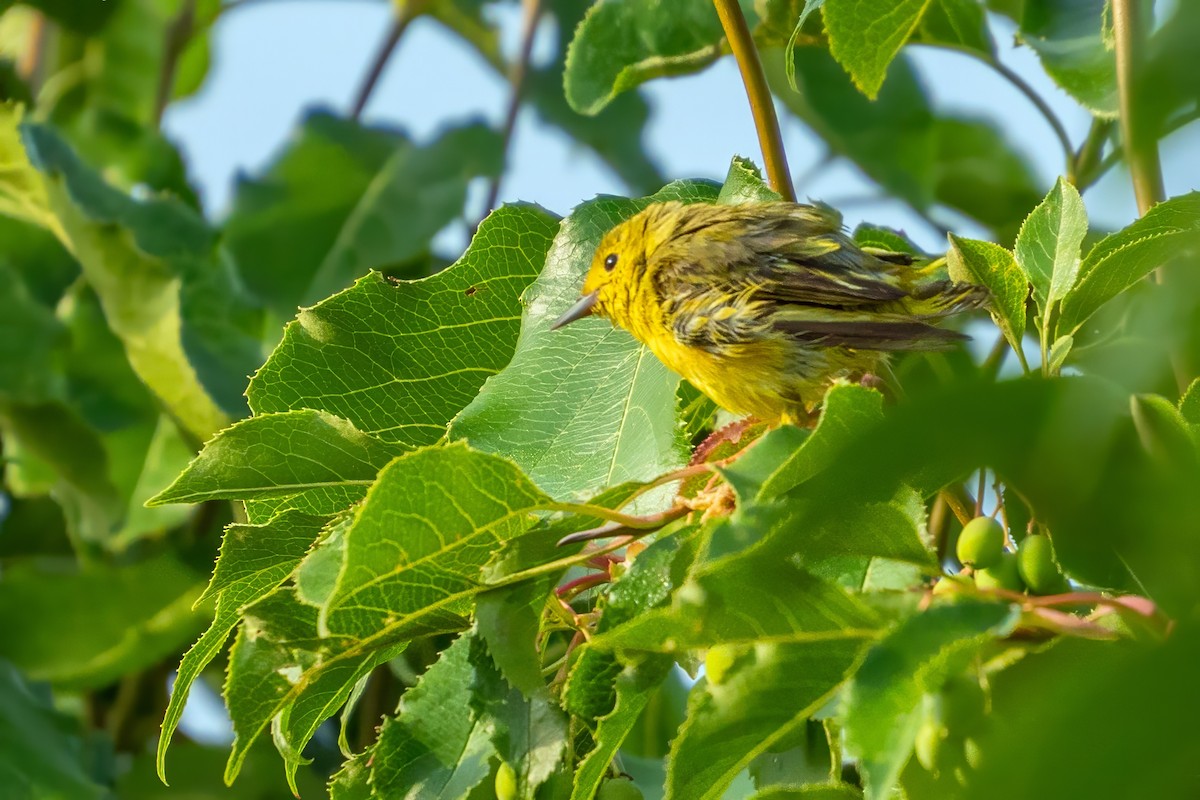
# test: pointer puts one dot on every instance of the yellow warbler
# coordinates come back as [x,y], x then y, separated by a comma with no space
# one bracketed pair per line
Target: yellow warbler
[762,305]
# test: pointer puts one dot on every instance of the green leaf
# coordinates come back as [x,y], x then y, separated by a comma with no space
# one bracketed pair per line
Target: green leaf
[434,747]
[1123,697]
[634,687]
[254,560]
[288,454]
[584,407]
[883,700]
[356,355]
[1071,39]
[164,289]
[786,457]
[416,194]
[426,529]
[865,35]
[80,479]
[744,184]
[529,733]
[769,693]
[831,791]
[22,194]
[604,60]
[1189,403]
[745,599]
[44,750]
[1123,258]
[1047,248]
[30,338]
[957,23]
[95,625]
[286,221]
[990,265]
[1164,432]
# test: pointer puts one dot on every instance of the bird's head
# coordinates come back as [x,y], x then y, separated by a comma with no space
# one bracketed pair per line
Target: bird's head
[619,263]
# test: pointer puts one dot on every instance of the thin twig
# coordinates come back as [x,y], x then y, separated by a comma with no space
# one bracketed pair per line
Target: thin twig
[405,14]
[179,33]
[1042,106]
[1090,153]
[762,105]
[960,502]
[31,64]
[516,79]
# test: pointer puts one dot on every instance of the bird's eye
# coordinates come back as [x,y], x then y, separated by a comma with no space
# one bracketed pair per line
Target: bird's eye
[610,263]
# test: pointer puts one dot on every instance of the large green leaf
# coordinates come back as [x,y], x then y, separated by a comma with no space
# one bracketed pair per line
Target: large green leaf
[587,406]
[746,599]
[1122,259]
[768,693]
[165,289]
[434,747]
[43,752]
[865,35]
[254,560]
[399,360]
[1069,37]
[95,625]
[883,700]
[30,337]
[605,60]
[291,453]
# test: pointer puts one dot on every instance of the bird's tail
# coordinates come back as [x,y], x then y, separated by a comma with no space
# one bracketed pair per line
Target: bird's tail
[934,295]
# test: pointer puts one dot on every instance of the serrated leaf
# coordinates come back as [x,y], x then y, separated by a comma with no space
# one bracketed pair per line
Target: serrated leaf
[883,700]
[356,354]
[745,599]
[1189,403]
[165,290]
[1070,40]
[865,35]
[633,688]
[1047,247]
[22,194]
[744,184]
[434,747]
[990,265]
[1123,258]
[1059,352]
[604,60]
[765,697]
[420,539]
[254,560]
[529,733]
[97,624]
[284,454]
[586,406]
[1163,430]
[787,456]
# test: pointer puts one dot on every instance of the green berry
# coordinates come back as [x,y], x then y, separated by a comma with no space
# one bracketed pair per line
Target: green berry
[929,740]
[1004,574]
[1035,559]
[980,543]
[717,662]
[619,789]
[506,782]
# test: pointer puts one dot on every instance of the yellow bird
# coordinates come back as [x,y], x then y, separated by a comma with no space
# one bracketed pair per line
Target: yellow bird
[762,306]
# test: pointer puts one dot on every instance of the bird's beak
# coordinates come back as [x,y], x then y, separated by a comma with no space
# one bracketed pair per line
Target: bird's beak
[582,309]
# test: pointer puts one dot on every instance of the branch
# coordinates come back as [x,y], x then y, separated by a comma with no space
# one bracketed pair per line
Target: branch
[178,34]
[405,14]
[1141,146]
[520,69]
[761,104]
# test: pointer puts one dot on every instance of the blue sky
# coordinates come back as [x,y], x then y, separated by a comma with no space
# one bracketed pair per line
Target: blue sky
[273,60]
